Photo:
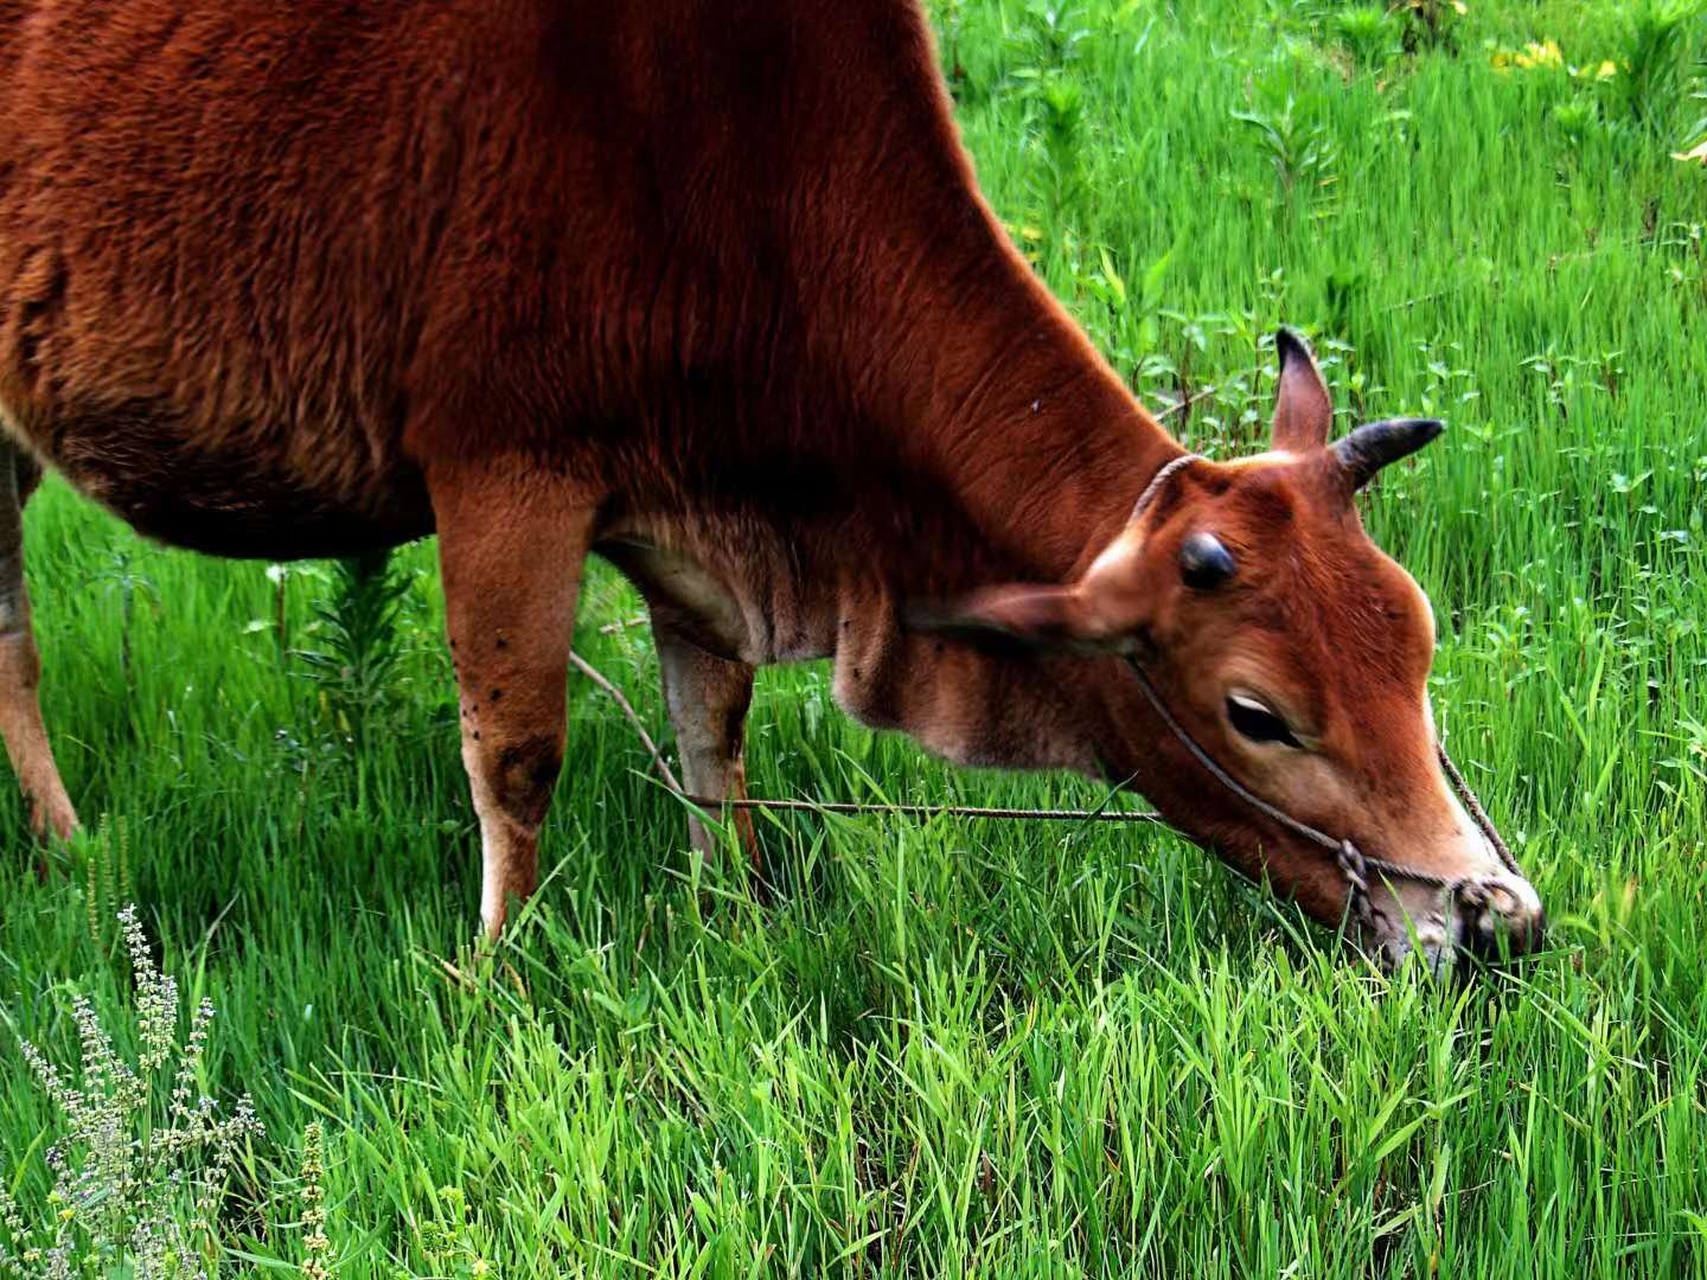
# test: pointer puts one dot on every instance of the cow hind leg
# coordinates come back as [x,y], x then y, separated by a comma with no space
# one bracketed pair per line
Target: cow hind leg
[21,724]
[511,547]
[708,699]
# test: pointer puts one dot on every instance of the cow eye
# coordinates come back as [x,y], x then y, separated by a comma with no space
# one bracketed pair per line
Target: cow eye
[1258,722]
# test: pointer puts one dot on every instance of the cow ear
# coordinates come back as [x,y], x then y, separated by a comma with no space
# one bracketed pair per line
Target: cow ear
[1303,411]
[1103,612]
[1025,617]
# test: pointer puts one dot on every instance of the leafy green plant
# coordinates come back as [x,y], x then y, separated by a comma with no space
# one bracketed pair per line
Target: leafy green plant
[1449,385]
[1430,24]
[1368,33]
[121,578]
[356,645]
[1060,183]
[1047,43]
[446,1239]
[1656,37]
[1302,153]
[140,1173]
[951,20]
[1576,120]
[1052,35]
[1695,135]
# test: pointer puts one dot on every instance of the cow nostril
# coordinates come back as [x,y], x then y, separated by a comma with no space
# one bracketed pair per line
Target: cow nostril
[1496,921]
[1502,903]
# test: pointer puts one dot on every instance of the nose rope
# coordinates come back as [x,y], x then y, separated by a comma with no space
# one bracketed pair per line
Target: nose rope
[1477,813]
[1353,863]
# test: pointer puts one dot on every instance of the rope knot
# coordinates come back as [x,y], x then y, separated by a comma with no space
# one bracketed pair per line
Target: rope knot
[1352,863]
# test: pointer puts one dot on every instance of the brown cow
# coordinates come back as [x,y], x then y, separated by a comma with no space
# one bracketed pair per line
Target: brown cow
[707,287]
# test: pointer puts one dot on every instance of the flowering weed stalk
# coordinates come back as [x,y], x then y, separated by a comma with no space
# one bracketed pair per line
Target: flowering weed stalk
[140,1173]
[316,1247]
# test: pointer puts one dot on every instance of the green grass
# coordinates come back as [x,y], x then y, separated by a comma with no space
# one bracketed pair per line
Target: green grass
[1005,1048]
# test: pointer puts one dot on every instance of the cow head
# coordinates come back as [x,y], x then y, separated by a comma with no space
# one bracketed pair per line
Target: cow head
[1296,653]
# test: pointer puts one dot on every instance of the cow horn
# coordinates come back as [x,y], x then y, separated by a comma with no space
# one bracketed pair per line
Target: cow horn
[1372,446]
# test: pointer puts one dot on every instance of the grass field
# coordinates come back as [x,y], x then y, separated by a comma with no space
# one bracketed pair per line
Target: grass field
[957,1047]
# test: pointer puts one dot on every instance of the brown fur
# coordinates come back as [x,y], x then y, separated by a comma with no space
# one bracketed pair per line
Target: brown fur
[705,286]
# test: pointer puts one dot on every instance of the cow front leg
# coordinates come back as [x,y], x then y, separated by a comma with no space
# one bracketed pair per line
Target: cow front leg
[20,665]
[708,699]
[511,547]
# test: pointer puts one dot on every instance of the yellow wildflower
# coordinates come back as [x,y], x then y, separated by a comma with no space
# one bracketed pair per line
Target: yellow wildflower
[1545,53]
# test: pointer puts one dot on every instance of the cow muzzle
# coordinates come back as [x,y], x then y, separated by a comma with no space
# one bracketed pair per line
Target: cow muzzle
[1499,916]
[1487,919]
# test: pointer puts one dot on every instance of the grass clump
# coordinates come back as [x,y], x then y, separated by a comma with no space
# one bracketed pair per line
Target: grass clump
[1656,40]
[1369,33]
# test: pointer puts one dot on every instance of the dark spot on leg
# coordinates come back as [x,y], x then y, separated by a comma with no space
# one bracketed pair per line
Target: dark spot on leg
[735,726]
[496,694]
[477,735]
[503,643]
[524,777]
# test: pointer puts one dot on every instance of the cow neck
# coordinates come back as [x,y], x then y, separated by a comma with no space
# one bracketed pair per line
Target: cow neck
[1046,448]
[986,438]
[943,338]
[1045,452]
